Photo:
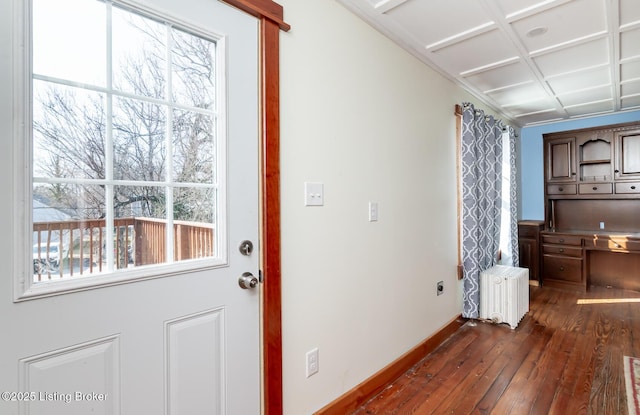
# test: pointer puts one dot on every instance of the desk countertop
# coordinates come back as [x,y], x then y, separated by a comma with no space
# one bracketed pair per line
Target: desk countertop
[591,233]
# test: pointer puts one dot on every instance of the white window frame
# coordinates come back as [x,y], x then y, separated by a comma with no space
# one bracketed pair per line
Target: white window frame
[22,267]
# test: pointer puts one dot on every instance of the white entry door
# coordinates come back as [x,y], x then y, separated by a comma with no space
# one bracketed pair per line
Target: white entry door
[111,321]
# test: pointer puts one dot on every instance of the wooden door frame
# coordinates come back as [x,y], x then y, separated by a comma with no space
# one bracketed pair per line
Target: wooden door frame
[270,15]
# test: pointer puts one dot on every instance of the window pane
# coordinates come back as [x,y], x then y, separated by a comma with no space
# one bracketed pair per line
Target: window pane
[139,140]
[139,54]
[193,70]
[140,219]
[68,230]
[140,201]
[194,204]
[193,147]
[68,132]
[194,213]
[69,40]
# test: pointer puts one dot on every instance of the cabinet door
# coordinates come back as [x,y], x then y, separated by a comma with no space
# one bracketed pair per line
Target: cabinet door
[529,256]
[628,154]
[561,160]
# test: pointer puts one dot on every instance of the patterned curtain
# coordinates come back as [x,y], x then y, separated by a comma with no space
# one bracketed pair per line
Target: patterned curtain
[513,193]
[481,200]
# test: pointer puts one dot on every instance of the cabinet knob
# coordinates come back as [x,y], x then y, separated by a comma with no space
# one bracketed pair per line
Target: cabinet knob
[560,189]
[561,268]
[633,188]
[561,250]
[561,241]
[595,188]
[616,171]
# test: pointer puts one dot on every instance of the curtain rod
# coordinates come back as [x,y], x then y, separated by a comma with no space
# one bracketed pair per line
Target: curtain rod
[459,109]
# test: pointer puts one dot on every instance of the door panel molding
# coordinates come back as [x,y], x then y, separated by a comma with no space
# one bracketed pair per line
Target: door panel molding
[194,367]
[47,380]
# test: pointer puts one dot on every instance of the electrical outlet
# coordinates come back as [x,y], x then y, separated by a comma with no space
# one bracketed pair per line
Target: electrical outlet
[440,287]
[313,364]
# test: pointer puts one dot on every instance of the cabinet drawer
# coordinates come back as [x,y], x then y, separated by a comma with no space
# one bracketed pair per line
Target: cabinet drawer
[630,187]
[571,251]
[616,244]
[595,189]
[564,269]
[561,189]
[562,239]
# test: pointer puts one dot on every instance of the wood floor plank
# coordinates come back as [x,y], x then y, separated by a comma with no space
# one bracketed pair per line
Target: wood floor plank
[565,357]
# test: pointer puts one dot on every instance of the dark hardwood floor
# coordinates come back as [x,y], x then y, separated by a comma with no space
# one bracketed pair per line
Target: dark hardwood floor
[565,357]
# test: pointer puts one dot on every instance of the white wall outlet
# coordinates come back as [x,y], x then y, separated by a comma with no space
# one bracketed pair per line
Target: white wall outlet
[373,211]
[601,225]
[313,194]
[313,364]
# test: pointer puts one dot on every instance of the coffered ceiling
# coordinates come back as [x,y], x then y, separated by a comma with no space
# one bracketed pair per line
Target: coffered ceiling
[532,61]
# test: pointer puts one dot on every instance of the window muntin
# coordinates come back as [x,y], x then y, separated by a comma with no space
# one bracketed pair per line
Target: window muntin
[125,141]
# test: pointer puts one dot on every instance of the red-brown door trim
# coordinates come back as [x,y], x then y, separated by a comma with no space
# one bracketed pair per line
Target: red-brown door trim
[271,22]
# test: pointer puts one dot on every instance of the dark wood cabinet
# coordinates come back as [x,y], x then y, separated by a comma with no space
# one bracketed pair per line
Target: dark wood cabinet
[562,260]
[529,246]
[560,159]
[628,155]
[592,197]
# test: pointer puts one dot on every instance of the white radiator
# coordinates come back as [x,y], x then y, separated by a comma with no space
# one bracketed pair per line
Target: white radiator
[504,294]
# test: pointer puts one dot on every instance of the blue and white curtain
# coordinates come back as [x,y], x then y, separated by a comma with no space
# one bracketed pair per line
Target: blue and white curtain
[482,183]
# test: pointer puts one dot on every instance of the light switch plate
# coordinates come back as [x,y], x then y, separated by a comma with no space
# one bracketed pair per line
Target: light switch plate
[313,194]
[373,211]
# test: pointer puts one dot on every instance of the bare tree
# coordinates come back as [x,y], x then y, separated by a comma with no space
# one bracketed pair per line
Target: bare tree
[71,127]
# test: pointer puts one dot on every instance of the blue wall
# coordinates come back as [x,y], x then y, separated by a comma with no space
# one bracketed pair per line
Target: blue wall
[532,163]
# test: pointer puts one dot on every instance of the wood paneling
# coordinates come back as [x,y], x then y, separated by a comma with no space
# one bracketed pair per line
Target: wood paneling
[618,215]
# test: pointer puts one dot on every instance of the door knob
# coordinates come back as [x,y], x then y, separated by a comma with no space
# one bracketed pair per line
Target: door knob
[247,281]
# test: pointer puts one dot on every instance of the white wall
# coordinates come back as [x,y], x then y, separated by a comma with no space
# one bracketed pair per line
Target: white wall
[372,123]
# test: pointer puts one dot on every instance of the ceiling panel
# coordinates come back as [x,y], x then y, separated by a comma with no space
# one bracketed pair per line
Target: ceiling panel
[501,77]
[630,88]
[462,57]
[631,103]
[585,55]
[592,108]
[557,24]
[528,98]
[519,7]
[540,117]
[603,93]
[580,81]
[470,15]
[533,61]
[629,12]
[629,44]
[630,71]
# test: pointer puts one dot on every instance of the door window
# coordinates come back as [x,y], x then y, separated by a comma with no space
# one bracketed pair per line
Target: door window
[126,143]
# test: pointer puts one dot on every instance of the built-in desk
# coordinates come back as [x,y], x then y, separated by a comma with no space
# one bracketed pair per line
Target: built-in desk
[592,206]
[580,258]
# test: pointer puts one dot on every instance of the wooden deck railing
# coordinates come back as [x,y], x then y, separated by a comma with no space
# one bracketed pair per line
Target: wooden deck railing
[137,241]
